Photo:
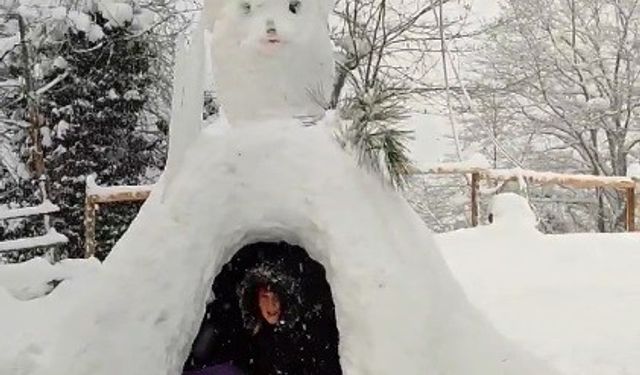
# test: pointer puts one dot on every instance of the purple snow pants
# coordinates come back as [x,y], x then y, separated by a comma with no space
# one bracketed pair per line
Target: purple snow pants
[225,369]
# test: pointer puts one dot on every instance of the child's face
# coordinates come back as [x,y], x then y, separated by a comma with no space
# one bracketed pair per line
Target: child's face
[269,304]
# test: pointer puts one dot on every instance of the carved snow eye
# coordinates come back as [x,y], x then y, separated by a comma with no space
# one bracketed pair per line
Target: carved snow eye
[246,7]
[294,6]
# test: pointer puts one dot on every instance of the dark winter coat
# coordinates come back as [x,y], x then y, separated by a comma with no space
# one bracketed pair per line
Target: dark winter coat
[273,352]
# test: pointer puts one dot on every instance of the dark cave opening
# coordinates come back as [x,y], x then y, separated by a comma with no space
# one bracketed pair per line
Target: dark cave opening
[305,339]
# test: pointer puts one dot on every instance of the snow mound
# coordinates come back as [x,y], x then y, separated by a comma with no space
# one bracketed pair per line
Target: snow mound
[512,210]
[37,277]
[571,299]
[398,307]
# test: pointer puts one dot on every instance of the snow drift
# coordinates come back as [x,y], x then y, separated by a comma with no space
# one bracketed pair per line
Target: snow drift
[571,299]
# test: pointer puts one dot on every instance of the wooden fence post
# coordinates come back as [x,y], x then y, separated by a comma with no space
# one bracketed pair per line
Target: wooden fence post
[90,208]
[631,209]
[475,181]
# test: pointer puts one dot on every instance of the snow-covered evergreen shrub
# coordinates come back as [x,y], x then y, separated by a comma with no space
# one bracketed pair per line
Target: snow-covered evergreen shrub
[93,117]
[372,132]
[93,79]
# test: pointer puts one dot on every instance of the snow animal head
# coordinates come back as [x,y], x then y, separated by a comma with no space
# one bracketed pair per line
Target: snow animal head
[271,58]
[261,18]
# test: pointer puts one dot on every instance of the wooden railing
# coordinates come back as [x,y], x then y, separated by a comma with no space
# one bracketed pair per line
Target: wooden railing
[97,195]
[49,239]
[577,181]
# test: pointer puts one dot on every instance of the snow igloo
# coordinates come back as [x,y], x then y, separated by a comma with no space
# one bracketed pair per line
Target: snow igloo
[272,173]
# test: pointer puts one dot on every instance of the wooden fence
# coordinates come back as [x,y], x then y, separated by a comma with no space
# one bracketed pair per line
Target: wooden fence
[576,181]
[50,238]
[97,195]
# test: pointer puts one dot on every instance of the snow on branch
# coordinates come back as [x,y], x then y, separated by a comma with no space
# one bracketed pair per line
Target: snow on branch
[52,238]
[42,209]
[52,84]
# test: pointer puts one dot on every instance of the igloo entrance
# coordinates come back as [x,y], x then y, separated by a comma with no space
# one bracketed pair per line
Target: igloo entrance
[305,339]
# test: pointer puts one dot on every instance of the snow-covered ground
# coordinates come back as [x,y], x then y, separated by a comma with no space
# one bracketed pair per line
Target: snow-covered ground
[37,277]
[573,300]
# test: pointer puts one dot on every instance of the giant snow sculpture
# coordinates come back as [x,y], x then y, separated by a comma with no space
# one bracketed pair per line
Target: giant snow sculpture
[266,178]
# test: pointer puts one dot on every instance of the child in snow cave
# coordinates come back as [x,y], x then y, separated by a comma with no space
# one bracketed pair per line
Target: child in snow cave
[273,343]
[269,349]
[273,315]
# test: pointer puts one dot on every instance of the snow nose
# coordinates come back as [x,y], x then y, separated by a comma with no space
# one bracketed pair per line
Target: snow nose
[271,27]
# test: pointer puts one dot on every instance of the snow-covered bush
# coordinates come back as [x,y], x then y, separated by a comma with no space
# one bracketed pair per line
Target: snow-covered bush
[372,130]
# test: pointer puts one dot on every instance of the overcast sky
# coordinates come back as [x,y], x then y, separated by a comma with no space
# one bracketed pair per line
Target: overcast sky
[432,139]
[485,8]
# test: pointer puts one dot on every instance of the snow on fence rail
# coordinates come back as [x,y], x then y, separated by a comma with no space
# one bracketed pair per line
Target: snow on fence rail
[523,176]
[50,239]
[42,209]
[97,195]
[578,181]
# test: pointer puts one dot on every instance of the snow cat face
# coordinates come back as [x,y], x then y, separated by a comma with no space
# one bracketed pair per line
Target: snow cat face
[267,26]
[275,55]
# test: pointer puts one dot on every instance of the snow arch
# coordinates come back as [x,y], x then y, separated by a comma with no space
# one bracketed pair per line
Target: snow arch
[294,231]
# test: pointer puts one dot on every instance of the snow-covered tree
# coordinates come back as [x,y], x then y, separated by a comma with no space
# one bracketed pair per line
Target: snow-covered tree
[559,82]
[386,52]
[94,117]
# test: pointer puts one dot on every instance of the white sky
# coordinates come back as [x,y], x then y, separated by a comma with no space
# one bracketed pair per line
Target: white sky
[433,141]
[485,8]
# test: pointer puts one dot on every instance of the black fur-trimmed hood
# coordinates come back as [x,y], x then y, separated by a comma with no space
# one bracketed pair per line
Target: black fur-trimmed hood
[287,288]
